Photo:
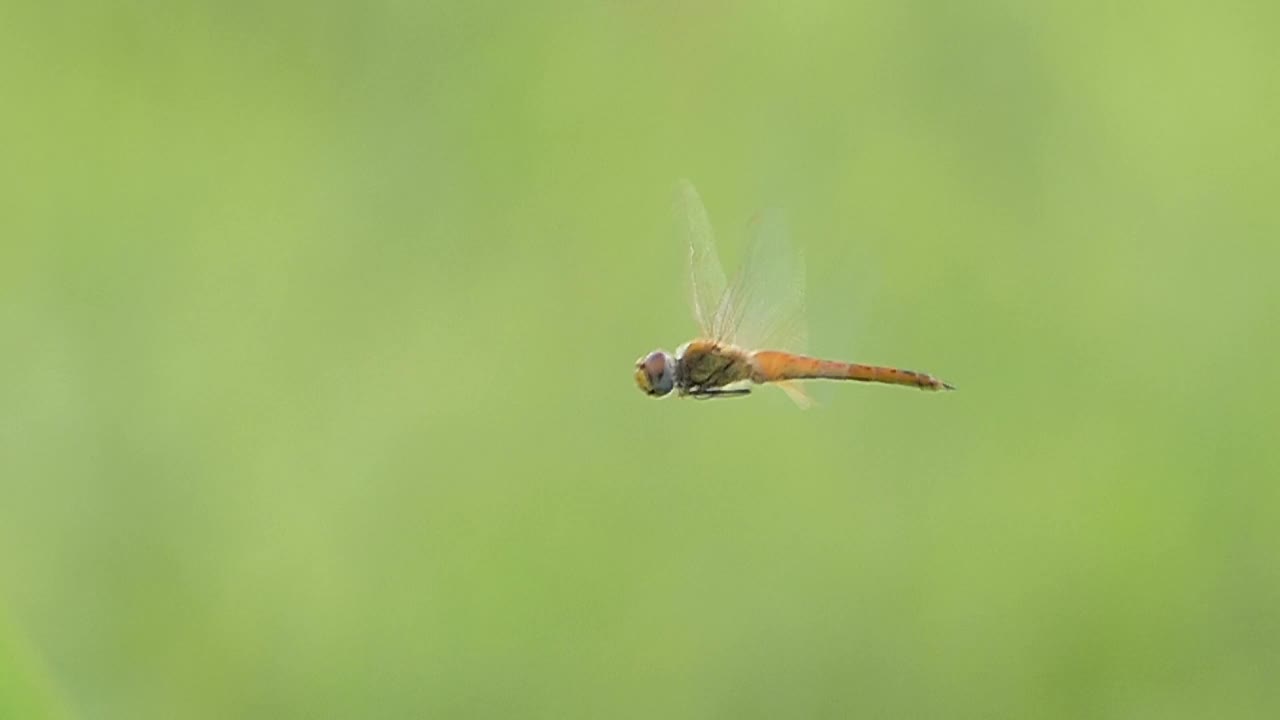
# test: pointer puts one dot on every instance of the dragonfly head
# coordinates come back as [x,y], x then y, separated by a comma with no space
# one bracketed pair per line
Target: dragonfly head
[656,373]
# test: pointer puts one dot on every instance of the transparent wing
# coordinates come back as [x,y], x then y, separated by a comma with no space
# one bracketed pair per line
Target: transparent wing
[763,306]
[706,277]
[798,394]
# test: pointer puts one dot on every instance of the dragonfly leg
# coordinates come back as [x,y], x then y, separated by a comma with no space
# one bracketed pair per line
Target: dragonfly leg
[713,393]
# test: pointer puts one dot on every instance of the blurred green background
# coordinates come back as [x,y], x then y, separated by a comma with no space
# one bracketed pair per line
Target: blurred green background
[319,320]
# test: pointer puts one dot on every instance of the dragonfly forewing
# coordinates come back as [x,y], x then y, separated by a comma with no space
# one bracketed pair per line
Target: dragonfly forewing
[705,275]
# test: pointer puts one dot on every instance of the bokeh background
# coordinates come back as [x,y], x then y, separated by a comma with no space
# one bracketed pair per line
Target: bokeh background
[318,323]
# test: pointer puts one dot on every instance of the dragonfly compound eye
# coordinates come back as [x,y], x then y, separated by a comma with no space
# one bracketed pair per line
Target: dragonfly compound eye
[655,373]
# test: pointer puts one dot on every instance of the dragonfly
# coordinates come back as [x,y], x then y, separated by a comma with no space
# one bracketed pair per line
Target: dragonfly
[761,307]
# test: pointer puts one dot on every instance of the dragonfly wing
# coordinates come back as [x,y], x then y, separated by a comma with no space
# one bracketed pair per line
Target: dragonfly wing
[706,277]
[797,393]
[763,306]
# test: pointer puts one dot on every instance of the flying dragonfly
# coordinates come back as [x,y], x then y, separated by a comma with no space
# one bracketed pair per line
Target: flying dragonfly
[761,307]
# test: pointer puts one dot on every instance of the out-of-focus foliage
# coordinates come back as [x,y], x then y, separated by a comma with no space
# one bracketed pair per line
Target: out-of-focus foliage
[318,325]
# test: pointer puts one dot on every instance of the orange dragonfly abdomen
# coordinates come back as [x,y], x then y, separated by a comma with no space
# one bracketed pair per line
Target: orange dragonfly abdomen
[776,366]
